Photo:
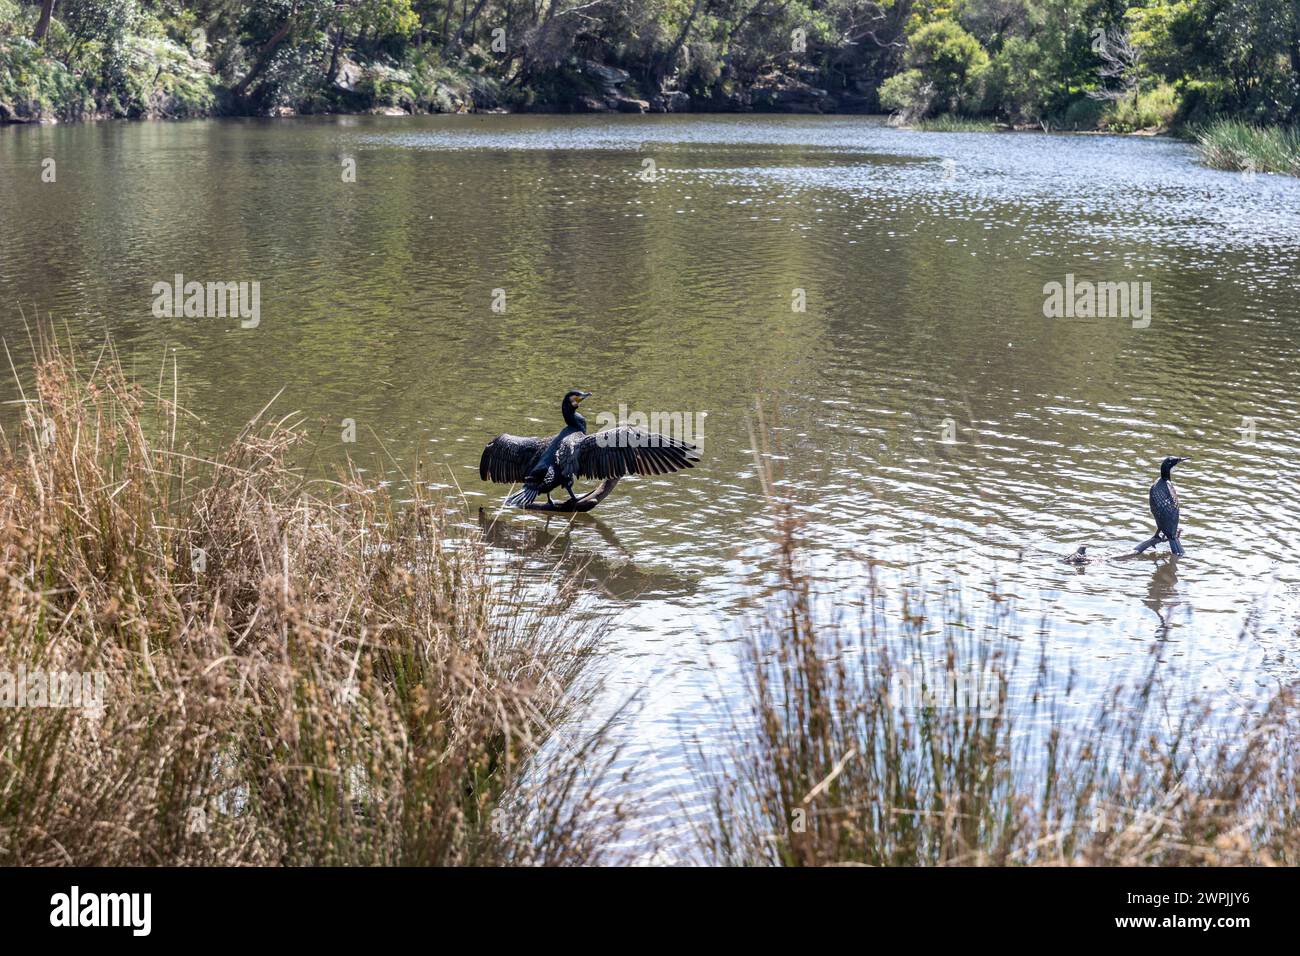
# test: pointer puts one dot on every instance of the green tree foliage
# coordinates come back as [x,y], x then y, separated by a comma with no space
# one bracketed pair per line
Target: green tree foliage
[907,93]
[951,62]
[1018,83]
[103,26]
[1020,61]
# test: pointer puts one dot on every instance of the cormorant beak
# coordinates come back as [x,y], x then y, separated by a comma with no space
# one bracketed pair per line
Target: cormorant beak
[582,396]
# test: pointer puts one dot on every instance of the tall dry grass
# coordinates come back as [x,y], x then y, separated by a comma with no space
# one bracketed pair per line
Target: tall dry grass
[882,732]
[296,672]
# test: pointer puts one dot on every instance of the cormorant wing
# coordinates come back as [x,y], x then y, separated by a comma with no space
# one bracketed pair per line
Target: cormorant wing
[1164,507]
[625,450]
[507,459]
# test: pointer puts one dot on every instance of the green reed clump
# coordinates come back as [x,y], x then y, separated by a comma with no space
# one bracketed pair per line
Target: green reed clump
[948,123]
[1233,145]
[295,672]
[891,737]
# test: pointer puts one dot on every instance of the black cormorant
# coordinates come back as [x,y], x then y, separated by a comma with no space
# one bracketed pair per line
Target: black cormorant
[1164,508]
[544,464]
[1079,557]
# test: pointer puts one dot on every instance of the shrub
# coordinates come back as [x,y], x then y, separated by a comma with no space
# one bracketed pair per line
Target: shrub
[100,29]
[15,20]
[35,86]
[1084,113]
[1154,109]
[703,68]
[1016,83]
[952,62]
[907,93]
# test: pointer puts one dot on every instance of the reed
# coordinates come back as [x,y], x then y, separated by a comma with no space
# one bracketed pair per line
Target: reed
[1233,145]
[295,671]
[949,123]
[880,731]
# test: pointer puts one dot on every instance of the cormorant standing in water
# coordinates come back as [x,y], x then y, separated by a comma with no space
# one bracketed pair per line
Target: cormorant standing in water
[1164,508]
[544,464]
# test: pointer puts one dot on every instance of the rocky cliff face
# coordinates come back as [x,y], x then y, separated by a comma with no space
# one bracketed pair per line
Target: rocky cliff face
[608,94]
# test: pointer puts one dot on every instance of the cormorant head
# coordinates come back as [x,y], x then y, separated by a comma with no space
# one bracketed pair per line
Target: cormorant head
[572,399]
[1168,464]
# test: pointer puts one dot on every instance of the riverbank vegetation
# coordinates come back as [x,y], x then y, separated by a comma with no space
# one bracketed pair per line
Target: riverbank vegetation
[1227,144]
[924,736]
[956,124]
[280,671]
[1059,64]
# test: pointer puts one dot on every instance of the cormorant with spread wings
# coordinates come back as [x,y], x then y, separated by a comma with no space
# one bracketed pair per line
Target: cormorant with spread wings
[544,464]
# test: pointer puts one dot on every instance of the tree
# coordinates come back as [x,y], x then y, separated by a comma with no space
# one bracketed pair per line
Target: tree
[1017,83]
[907,94]
[348,20]
[1121,65]
[43,23]
[107,23]
[295,17]
[1255,45]
[994,22]
[949,60]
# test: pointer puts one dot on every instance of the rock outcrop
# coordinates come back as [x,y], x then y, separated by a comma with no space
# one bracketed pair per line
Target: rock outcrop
[670,101]
[606,93]
[777,92]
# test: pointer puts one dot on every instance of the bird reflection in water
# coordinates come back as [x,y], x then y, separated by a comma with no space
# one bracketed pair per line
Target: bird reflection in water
[619,578]
[1162,595]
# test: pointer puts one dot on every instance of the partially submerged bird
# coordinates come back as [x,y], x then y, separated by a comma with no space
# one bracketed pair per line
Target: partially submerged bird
[544,464]
[1079,557]
[1164,508]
